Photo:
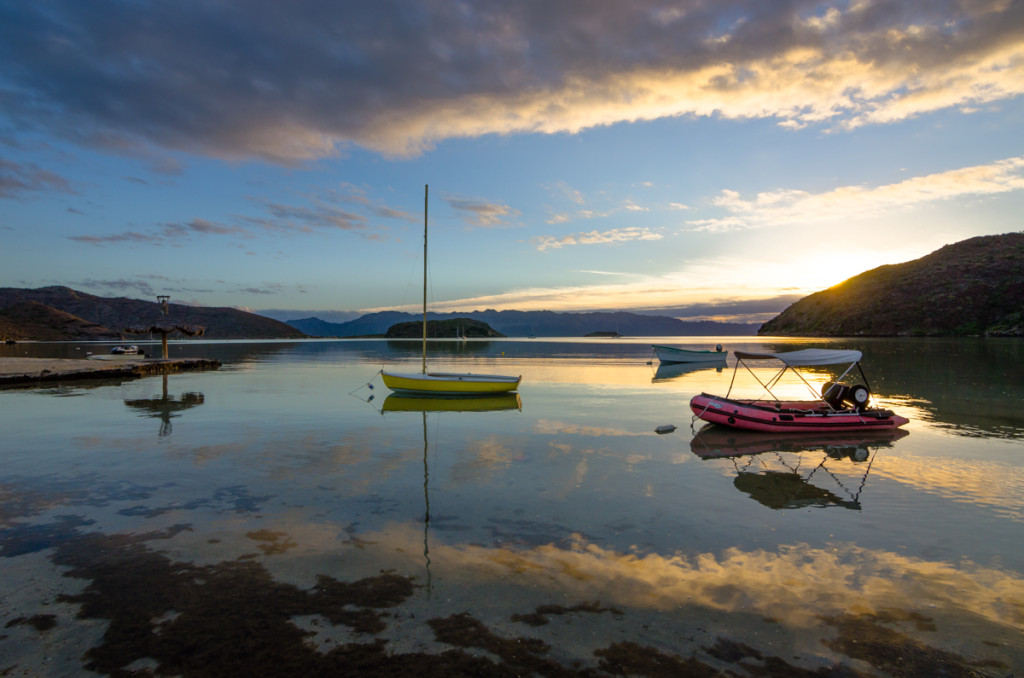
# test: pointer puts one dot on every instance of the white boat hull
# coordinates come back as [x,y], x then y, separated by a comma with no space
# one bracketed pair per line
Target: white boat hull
[670,354]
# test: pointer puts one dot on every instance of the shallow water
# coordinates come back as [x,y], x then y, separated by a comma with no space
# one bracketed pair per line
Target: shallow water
[280,517]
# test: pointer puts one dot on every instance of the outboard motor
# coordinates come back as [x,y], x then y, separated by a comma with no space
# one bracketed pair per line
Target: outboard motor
[838,395]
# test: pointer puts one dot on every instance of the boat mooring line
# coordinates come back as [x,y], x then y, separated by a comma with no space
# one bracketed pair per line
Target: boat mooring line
[368,385]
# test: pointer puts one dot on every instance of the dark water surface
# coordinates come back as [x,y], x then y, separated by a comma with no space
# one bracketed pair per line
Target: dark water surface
[272,518]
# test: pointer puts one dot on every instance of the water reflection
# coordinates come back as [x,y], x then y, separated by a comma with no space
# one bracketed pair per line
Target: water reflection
[486,403]
[440,347]
[425,404]
[771,469]
[669,371]
[165,407]
[570,522]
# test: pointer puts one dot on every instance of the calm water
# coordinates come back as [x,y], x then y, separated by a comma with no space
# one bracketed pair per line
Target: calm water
[280,517]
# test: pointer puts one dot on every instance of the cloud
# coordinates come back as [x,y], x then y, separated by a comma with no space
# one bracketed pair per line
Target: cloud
[291,217]
[733,288]
[564,190]
[122,286]
[480,212]
[275,288]
[277,218]
[347,193]
[166,233]
[309,79]
[200,227]
[615,235]
[800,207]
[638,292]
[20,179]
[732,310]
[150,285]
[127,236]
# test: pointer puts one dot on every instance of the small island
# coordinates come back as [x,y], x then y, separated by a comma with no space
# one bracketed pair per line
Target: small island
[454,328]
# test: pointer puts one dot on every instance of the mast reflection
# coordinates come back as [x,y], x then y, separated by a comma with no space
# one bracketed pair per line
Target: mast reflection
[425,404]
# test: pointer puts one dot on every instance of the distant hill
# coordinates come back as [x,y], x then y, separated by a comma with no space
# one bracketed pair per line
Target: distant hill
[973,287]
[32,320]
[532,323]
[43,314]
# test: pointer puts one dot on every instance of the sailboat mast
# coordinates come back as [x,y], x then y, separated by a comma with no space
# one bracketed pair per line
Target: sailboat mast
[426,196]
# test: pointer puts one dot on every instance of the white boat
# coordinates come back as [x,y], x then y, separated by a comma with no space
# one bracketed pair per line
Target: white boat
[120,353]
[443,383]
[671,354]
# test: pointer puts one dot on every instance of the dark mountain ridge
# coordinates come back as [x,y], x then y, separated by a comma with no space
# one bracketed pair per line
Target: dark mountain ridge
[104,317]
[30,319]
[971,288]
[531,323]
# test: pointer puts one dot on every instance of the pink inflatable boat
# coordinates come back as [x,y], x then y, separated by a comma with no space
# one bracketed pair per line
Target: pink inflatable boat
[840,407]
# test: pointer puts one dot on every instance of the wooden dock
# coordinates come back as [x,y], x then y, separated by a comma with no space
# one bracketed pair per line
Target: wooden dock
[28,371]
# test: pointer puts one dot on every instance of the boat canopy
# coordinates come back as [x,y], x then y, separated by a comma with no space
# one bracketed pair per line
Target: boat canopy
[808,356]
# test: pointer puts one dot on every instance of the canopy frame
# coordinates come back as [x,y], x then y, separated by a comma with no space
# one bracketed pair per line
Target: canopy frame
[792,359]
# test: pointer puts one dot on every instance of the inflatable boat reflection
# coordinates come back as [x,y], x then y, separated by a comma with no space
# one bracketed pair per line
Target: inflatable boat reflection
[774,470]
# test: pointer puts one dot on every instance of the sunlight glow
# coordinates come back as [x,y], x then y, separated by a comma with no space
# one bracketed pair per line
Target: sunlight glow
[716,280]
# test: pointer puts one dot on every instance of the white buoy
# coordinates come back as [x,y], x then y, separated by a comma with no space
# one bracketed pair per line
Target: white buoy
[665,428]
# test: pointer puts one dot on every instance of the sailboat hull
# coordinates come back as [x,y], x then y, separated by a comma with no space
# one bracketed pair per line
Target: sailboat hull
[449,383]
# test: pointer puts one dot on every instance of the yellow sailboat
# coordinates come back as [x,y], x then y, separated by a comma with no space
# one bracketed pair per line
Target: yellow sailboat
[444,383]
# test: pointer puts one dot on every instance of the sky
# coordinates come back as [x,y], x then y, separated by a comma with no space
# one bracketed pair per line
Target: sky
[702,159]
